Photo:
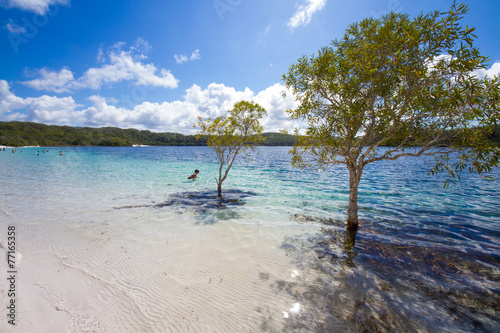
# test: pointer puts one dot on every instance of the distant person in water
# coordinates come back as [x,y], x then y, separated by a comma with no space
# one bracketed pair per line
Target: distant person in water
[193,176]
[60,153]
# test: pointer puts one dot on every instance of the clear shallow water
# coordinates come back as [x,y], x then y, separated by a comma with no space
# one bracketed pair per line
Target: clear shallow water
[156,249]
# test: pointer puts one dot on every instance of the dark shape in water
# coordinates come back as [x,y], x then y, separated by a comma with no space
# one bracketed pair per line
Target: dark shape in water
[201,201]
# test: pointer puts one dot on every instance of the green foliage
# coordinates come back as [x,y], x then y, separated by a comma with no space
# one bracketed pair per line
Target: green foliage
[32,134]
[397,82]
[228,135]
[18,134]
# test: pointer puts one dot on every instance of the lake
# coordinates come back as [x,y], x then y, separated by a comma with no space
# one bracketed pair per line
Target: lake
[119,240]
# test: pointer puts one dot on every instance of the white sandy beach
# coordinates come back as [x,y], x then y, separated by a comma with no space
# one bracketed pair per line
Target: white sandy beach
[139,277]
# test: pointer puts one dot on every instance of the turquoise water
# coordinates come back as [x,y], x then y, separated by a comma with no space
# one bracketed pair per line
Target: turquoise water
[426,258]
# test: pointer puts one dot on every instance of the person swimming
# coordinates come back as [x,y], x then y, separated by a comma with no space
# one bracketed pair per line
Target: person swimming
[193,176]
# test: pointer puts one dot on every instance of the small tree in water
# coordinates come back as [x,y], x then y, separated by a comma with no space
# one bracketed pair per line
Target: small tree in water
[401,83]
[228,135]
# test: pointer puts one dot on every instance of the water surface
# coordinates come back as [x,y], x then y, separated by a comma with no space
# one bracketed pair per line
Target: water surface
[118,240]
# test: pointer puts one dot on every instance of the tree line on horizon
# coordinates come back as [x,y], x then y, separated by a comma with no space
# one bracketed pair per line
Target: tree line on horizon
[16,134]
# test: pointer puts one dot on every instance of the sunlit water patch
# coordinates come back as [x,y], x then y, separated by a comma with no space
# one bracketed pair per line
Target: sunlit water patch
[119,240]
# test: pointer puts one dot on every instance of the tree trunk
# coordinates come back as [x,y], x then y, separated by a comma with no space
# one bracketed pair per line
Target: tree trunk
[352,211]
[219,190]
[350,241]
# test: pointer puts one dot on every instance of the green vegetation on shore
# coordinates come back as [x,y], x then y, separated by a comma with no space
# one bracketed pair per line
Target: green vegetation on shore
[18,134]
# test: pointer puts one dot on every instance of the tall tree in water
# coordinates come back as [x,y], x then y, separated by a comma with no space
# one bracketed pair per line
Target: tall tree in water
[399,82]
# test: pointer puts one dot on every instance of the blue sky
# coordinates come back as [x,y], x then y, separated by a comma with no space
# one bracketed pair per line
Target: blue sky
[159,64]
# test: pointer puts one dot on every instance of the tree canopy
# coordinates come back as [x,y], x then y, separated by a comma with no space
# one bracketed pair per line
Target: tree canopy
[409,83]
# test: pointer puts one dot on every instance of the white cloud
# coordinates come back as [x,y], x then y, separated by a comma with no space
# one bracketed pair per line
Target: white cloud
[52,110]
[102,114]
[176,116]
[216,99]
[44,109]
[195,55]
[52,81]
[272,100]
[180,59]
[15,28]
[10,102]
[480,73]
[122,66]
[491,72]
[36,6]
[100,56]
[304,13]
[140,47]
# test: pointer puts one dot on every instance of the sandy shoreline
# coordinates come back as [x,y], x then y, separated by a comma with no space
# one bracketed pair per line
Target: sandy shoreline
[103,279]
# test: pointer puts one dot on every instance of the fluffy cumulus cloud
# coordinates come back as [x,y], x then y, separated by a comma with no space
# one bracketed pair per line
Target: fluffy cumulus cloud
[52,80]
[118,65]
[176,116]
[272,100]
[44,109]
[103,114]
[36,6]
[9,102]
[216,99]
[304,13]
[179,116]
[52,110]
[123,67]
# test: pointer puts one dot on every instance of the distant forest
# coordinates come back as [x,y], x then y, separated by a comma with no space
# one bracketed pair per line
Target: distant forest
[17,134]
